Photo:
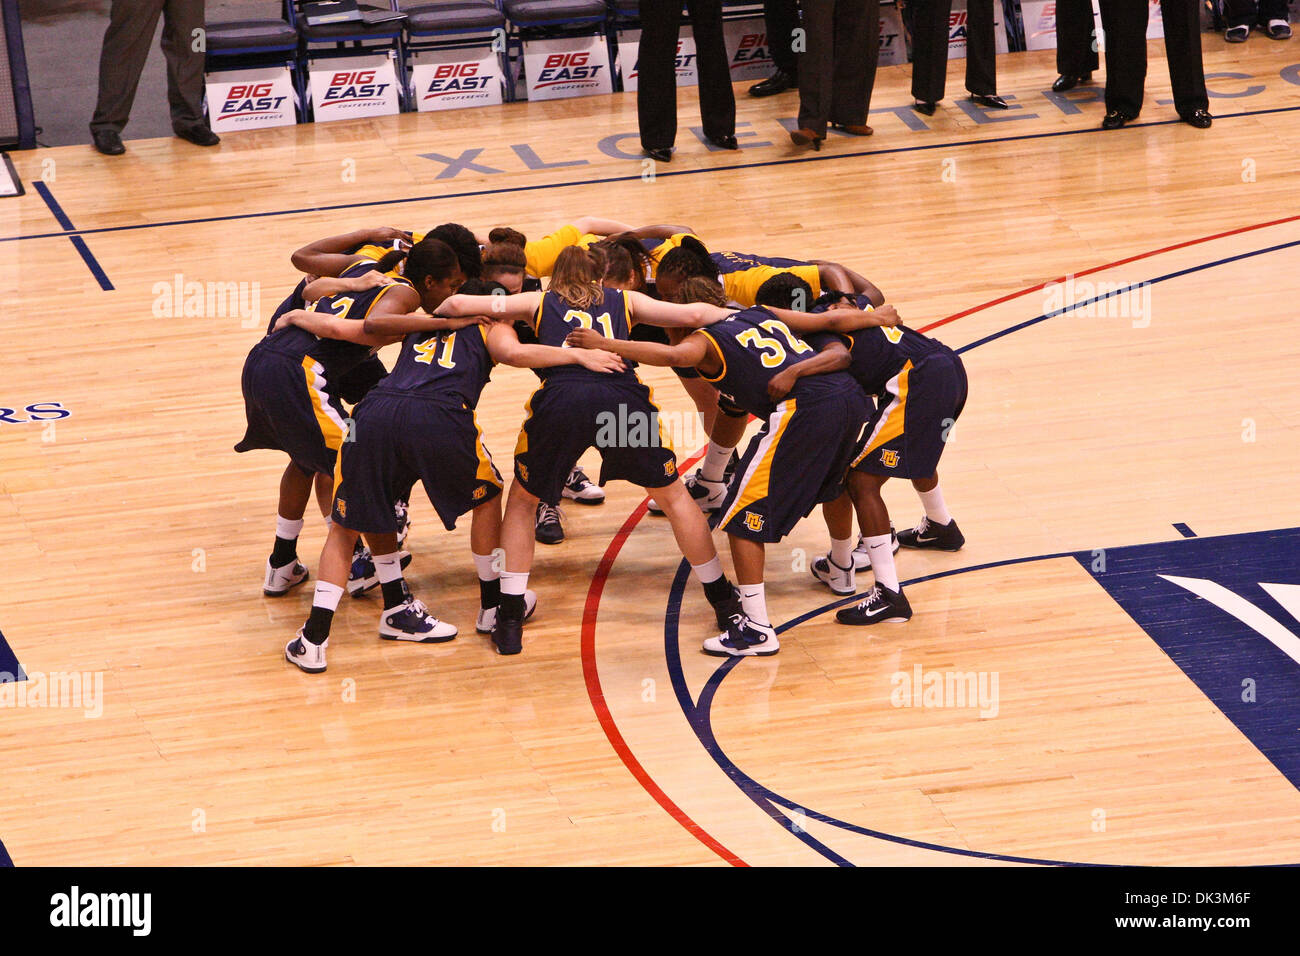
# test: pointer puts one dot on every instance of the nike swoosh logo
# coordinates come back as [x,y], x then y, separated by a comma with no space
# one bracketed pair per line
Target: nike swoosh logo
[933,537]
[874,613]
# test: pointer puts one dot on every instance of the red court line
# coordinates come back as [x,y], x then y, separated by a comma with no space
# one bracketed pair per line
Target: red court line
[597,695]
[1108,265]
[597,589]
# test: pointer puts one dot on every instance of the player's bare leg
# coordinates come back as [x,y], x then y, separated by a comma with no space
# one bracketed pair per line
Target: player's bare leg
[885,602]
[836,569]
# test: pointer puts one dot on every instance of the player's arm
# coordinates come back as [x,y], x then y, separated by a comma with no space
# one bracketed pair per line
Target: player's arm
[833,275]
[506,349]
[833,357]
[522,305]
[660,231]
[600,227]
[332,285]
[691,351]
[838,320]
[693,315]
[331,255]
[330,326]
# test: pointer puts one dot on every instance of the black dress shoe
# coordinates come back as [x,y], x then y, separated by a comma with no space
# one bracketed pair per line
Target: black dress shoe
[1201,119]
[1115,119]
[724,142]
[662,155]
[199,135]
[108,142]
[778,82]
[991,100]
[1067,81]
[924,106]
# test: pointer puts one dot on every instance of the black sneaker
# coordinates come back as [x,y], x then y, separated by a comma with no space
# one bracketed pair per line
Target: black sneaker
[508,635]
[730,470]
[928,536]
[548,529]
[402,512]
[882,606]
[727,608]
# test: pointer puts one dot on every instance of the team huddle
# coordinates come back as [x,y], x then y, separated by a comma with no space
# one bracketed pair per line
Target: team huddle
[848,397]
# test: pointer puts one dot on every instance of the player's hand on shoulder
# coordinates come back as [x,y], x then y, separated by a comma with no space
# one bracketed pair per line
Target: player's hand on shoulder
[387,234]
[886,316]
[287,319]
[371,279]
[599,360]
[584,339]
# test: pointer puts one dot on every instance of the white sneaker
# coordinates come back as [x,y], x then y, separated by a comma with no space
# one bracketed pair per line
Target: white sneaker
[307,656]
[413,622]
[838,579]
[862,556]
[280,581]
[578,487]
[487,616]
[743,638]
[707,494]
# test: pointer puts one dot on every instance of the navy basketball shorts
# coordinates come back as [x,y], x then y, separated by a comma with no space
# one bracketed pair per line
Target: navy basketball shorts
[799,459]
[920,404]
[568,415]
[291,408]
[396,439]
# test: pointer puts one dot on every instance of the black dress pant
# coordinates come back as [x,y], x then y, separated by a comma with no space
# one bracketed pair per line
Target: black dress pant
[1076,50]
[127,41]
[780,20]
[1125,23]
[1247,13]
[656,96]
[930,48]
[838,68]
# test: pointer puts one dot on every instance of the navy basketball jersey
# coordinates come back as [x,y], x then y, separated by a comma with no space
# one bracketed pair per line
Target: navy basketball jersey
[556,318]
[293,301]
[337,357]
[877,355]
[452,366]
[754,346]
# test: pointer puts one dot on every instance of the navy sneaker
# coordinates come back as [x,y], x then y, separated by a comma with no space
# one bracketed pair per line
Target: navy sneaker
[413,622]
[882,606]
[743,638]
[508,635]
[928,536]
[549,526]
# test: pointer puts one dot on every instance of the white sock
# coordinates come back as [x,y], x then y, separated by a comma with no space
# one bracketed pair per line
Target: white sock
[708,572]
[327,596]
[753,601]
[388,567]
[514,582]
[485,565]
[329,523]
[715,462]
[842,551]
[289,530]
[935,509]
[881,551]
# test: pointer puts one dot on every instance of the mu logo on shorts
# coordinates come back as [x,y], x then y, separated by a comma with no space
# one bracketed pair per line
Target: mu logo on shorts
[889,458]
[753,522]
[341,507]
[523,471]
[670,469]
[479,492]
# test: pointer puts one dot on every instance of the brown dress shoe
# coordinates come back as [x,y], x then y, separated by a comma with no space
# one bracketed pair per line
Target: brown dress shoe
[806,137]
[852,129]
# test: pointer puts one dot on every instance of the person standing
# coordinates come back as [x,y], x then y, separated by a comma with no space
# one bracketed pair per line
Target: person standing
[1076,44]
[780,20]
[1125,25]
[656,95]
[837,70]
[131,26]
[931,21]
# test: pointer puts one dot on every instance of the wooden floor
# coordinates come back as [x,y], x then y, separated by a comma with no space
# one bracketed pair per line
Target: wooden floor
[132,537]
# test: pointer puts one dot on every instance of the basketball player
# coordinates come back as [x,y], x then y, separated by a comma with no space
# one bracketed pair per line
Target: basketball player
[419,423]
[798,459]
[290,389]
[922,384]
[570,413]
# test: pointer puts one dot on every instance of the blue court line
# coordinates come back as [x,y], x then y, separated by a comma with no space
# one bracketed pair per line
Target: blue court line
[78,243]
[5,859]
[9,661]
[609,180]
[1185,531]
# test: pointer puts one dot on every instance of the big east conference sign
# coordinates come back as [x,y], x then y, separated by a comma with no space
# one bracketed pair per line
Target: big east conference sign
[574,66]
[250,99]
[353,86]
[453,79]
